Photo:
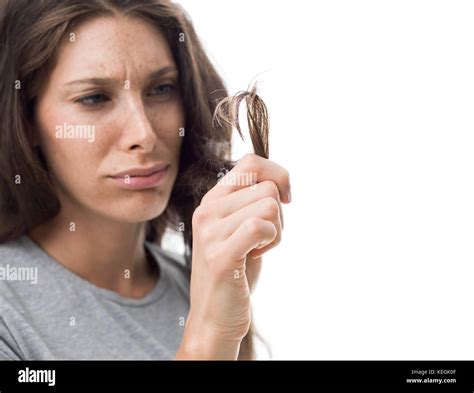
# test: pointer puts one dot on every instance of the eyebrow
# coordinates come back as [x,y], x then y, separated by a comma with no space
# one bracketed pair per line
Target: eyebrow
[111,81]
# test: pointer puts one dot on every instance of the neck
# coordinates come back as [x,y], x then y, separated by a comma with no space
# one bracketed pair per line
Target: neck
[109,254]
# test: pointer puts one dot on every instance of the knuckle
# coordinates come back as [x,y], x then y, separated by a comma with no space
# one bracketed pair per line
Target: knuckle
[250,160]
[270,207]
[250,156]
[269,188]
[200,215]
[253,226]
[204,199]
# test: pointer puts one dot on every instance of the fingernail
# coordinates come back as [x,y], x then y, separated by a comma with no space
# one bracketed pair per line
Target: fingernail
[261,245]
[289,196]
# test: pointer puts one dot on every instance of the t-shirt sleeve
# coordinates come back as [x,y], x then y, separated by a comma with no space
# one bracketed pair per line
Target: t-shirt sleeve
[8,348]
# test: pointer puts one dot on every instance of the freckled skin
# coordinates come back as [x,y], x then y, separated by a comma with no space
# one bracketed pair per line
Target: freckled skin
[133,127]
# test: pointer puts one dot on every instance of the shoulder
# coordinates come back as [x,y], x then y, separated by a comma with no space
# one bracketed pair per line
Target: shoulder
[18,266]
[17,273]
[14,251]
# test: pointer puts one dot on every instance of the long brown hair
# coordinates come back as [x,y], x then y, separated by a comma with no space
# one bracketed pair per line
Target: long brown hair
[30,33]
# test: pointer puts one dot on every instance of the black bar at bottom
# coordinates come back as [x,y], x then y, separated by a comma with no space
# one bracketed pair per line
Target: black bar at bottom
[445,375]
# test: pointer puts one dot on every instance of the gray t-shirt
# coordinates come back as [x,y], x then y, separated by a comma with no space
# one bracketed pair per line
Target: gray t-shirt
[47,312]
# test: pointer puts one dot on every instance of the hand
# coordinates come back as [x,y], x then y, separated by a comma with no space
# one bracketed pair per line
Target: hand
[234,223]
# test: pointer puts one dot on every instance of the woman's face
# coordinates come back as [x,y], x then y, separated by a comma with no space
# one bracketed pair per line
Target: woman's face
[106,110]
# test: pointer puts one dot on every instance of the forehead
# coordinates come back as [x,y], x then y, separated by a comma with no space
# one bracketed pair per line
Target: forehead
[112,46]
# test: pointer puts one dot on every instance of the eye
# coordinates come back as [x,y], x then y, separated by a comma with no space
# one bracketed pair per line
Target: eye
[162,90]
[92,100]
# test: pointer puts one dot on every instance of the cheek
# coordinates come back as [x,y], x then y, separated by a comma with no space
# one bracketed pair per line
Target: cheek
[64,139]
[170,127]
[72,162]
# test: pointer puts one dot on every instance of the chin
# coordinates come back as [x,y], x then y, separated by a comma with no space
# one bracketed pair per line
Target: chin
[138,208]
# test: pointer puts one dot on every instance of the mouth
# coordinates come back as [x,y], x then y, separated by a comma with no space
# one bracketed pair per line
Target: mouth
[139,178]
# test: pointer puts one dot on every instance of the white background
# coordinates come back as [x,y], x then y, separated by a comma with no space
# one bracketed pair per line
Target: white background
[371,110]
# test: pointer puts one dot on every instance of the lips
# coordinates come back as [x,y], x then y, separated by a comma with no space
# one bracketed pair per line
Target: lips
[140,172]
[141,178]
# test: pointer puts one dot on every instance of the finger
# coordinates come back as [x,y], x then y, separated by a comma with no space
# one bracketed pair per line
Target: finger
[266,209]
[252,232]
[258,252]
[252,169]
[229,204]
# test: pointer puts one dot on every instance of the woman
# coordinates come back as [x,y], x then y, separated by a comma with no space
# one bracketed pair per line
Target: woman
[106,141]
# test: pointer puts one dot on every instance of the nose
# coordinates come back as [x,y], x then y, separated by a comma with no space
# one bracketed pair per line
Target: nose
[137,132]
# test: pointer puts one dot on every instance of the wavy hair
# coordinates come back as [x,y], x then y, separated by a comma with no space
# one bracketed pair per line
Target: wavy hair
[30,33]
